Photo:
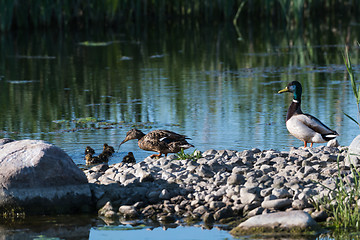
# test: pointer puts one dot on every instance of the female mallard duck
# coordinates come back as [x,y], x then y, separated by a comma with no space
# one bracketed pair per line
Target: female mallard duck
[303,126]
[161,141]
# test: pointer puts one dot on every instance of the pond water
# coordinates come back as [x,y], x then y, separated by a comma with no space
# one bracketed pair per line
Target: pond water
[212,83]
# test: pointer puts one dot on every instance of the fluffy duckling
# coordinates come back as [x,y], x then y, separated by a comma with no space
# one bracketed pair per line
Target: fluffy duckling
[104,156]
[161,141]
[109,149]
[90,159]
[129,158]
[88,149]
[303,126]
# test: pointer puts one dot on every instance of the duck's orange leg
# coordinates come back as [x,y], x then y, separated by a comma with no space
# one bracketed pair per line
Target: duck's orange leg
[155,155]
[305,144]
[311,144]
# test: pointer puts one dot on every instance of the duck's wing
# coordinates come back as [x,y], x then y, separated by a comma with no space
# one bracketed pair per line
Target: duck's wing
[164,136]
[315,124]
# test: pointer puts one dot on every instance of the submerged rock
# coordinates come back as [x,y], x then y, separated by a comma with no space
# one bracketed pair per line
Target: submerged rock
[40,178]
[280,221]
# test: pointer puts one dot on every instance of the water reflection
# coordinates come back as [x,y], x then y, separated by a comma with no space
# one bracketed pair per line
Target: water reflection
[201,82]
[59,227]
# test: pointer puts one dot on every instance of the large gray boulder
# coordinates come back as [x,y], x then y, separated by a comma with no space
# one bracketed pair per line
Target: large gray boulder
[353,153]
[292,221]
[39,178]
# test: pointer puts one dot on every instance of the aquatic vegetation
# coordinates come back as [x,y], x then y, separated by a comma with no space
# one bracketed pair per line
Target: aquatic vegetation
[95,44]
[43,237]
[86,120]
[355,88]
[122,227]
[341,203]
[183,156]
[82,13]
[94,123]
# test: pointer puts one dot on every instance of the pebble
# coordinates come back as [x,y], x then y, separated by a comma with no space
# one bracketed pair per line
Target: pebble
[219,185]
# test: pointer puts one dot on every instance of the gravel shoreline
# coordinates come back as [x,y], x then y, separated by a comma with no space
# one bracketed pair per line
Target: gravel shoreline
[221,185]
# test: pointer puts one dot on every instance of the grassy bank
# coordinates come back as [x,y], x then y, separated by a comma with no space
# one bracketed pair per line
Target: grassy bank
[15,14]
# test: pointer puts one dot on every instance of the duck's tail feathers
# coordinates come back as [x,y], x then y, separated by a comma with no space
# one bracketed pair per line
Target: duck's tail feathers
[329,136]
[186,146]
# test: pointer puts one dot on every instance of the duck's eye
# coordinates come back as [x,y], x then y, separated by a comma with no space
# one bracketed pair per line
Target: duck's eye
[292,88]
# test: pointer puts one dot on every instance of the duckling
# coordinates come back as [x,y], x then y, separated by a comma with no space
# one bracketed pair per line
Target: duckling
[129,158]
[108,149]
[303,126]
[104,156]
[161,141]
[88,149]
[90,159]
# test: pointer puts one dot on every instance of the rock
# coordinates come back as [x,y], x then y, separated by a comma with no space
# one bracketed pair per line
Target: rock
[221,184]
[166,218]
[129,212]
[223,213]
[333,143]
[281,193]
[278,204]
[319,216]
[278,181]
[256,211]
[286,221]
[201,210]
[236,179]
[107,207]
[40,178]
[353,153]
[164,194]
[216,204]
[205,171]
[208,218]
[5,141]
[300,204]
[107,211]
[100,168]
[248,198]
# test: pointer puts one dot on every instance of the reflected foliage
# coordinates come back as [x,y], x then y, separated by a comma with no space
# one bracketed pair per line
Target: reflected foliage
[199,80]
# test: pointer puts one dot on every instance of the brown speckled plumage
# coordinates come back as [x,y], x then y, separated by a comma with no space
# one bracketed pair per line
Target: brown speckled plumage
[161,141]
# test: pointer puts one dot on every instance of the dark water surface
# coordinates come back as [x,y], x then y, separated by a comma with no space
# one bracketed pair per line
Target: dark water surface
[210,83]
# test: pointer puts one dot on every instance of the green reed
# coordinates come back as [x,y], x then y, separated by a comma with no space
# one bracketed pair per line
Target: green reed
[342,202]
[355,88]
[84,13]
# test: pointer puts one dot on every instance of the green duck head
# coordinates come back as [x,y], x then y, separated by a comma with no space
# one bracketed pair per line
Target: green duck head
[295,88]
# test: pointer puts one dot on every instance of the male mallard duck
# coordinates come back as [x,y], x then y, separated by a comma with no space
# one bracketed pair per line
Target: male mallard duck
[161,141]
[88,149]
[303,126]
[90,160]
[129,158]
